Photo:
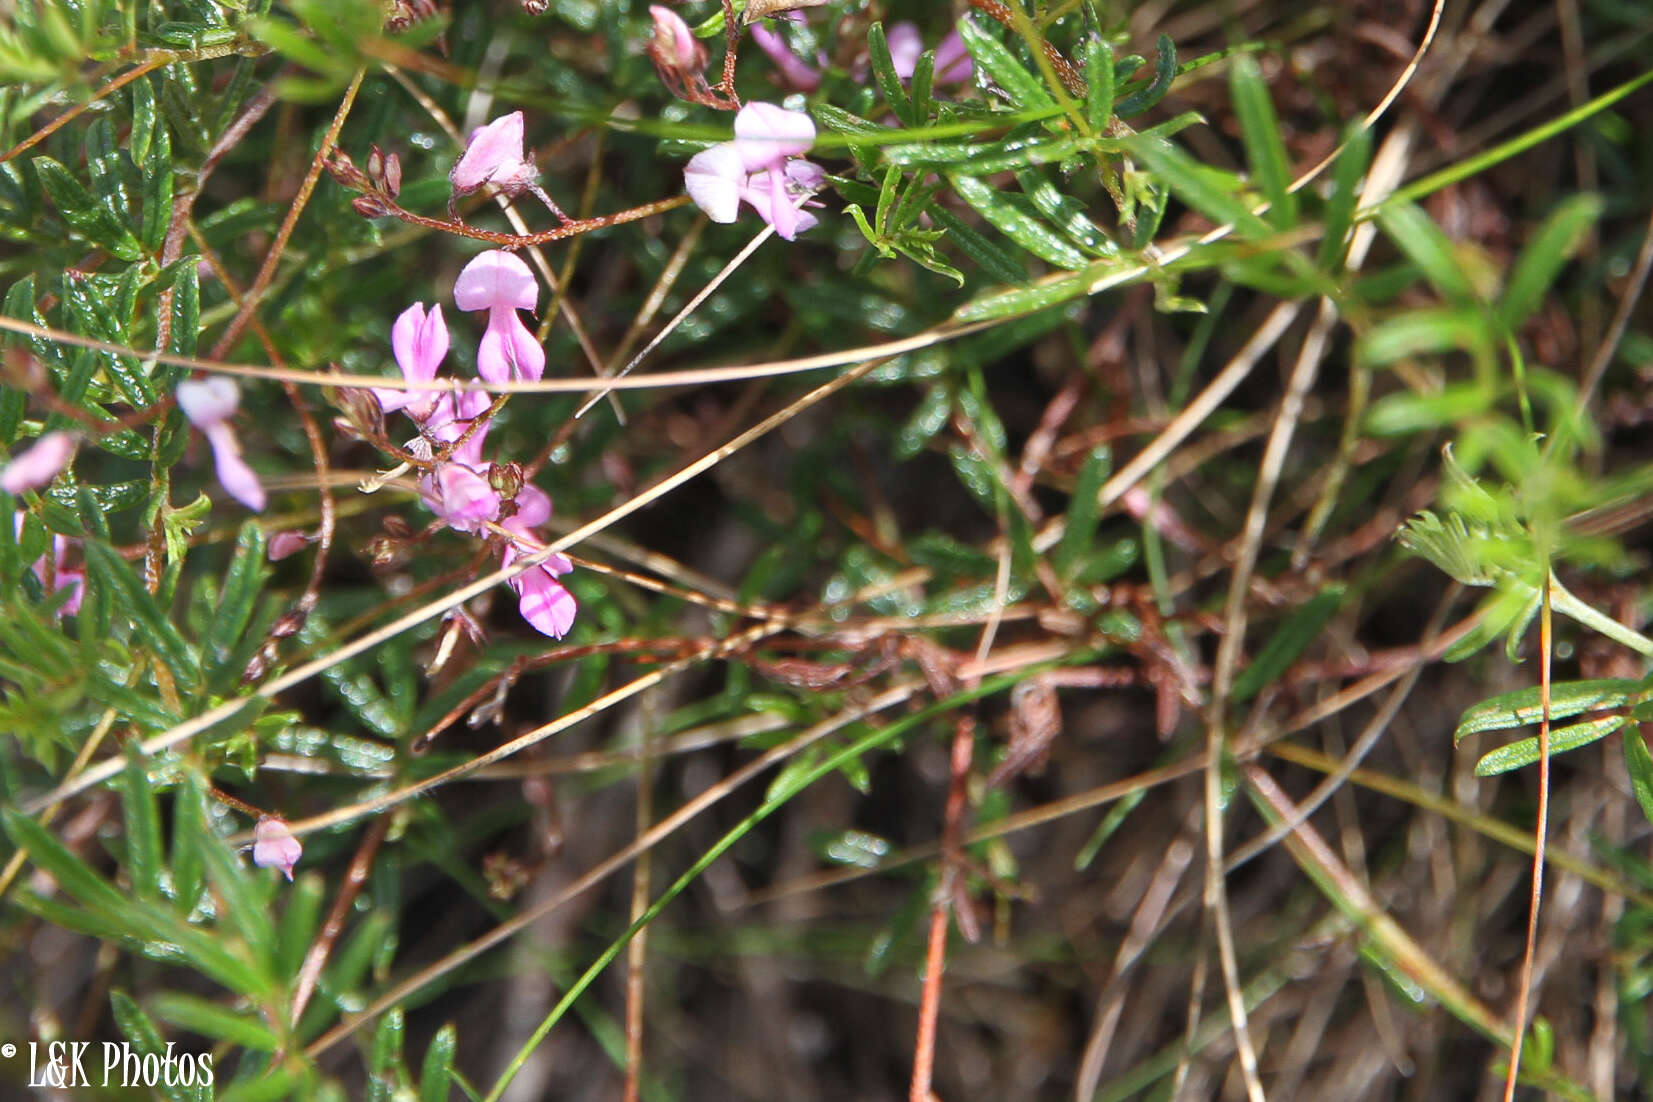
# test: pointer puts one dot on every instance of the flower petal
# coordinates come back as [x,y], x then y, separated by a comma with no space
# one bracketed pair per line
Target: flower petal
[494,279]
[38,464]
[713,178]
[905,47]
[544,602]
[207,402]
[766,135]
[274,846]
[508,350]
[491,148]
[234,475]
[795,71]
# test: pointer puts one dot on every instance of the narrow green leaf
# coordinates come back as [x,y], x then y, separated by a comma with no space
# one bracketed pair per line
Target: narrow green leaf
[1639,764]
[1426,331]
[1427,246]
[1347,174]
[84,214]
[1165,71]
[1025,89]
[987,256]
[73,875]
[1288,642]
[1028,300]
[983,158]
[105,568]
[1525,706]
[1066,213]
[1099,64]
[1265,149]
[242,584]
[1525,752]
[157,191]
[207,1018]
[1080,531]
[889,84]
[143,829]
[245,908]
[144,118]
[1193,184]
[1007,216]
[924,74]
[1542,259]
[436,1073]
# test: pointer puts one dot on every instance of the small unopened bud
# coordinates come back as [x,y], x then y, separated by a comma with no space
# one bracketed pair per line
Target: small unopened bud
[289,623]
[361,409]
[274,846]
[375,165]
[505,479]
[393,175]
[396,527]
[370,206]
[387,553]
[344,170]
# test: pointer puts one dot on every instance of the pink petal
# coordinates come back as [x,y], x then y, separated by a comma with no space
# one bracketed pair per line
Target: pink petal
[495,279]
[953,64]
[39,464]
[75,581]
[234,475]
[286,543]
[713,178]
[492,148]
[675,41]
[508,350]
[208,402]
[451,417]
[544,602]
[533,506]
[775,206]
[765,135]
[274,845]
[419,341]
[460,496]
[905,47]
[795,71]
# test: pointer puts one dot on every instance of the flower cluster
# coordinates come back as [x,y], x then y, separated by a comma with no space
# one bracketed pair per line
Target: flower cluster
[763,167]
[460,487]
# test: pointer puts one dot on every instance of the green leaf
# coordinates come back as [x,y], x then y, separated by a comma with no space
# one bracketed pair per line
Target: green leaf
[1347,174]
[1525,752]
[1027,300]
[143,829]
[386,1058]
[207,1018]
[983,158]
[157,191]
[1639,764]
[106,569]
[1265,149]
[1427,246]
[1165,71]
[992,57]
[437,1071]
[1194,185]
[1009,218]
[987,256]
[84,214]
[1426,331]
[242,585]
[143,120]
[1099,64]
[1284,647]
[1541,261]
[1523,707]
[1066,213]
[1080,531]
[889,84]
[245,909]
[73,875]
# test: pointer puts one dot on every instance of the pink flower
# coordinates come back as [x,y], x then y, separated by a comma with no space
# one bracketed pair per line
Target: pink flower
[285,543]
[460,496]
[39,464]
[209,404]
[673,47]
[452,417]
[62,576]
[762,166]
[501,284]
[797,73]
[494,156]
[952,64]
[419,342]
[542,600]
[274,845]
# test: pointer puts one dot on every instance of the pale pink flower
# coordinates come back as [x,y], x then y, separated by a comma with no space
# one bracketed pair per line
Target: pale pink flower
[460,496]
[762,166]
[62,576]
[452,417]
[419,342]
[209,404]
[37,465]
[274,846]
[674,46]
[952,63]
[495,156]
[285,543]
[542,600]
[796,73]
[501,284]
